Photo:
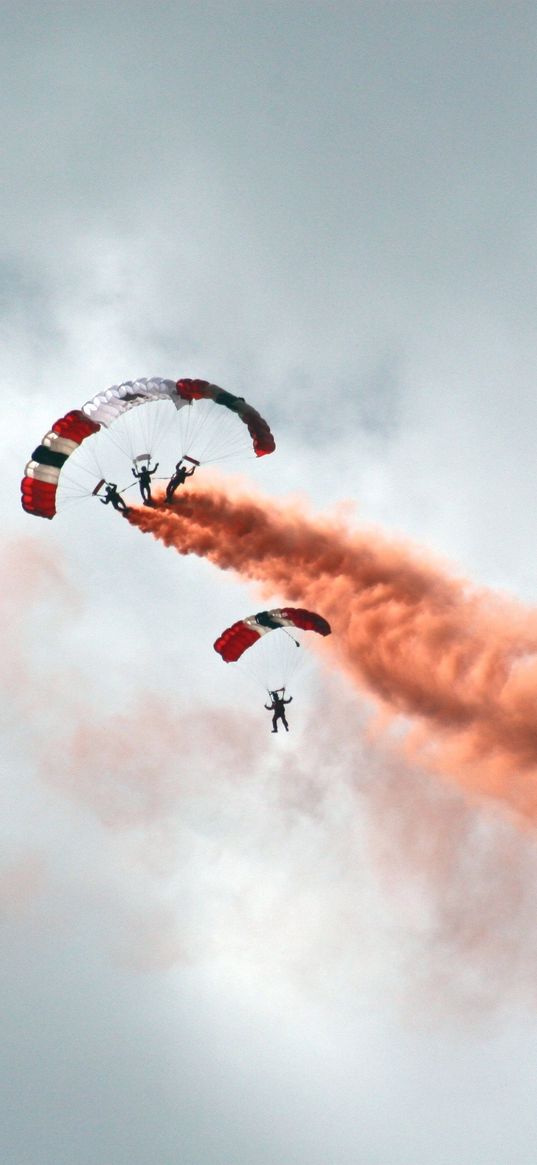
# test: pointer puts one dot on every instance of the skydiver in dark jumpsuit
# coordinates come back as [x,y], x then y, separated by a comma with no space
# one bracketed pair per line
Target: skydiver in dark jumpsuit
[278,708]
[144,479]
[178,478]
[112,495]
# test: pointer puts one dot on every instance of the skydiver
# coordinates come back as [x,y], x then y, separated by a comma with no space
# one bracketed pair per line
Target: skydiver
[144,479]
[178,478]
[277,707]
[112,495]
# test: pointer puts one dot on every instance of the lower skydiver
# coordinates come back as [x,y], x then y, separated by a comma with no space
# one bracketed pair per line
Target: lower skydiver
[113,496]
[178,478]
[278,708]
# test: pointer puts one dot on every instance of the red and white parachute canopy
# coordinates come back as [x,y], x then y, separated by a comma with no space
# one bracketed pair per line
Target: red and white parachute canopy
[236,639]
[194,418]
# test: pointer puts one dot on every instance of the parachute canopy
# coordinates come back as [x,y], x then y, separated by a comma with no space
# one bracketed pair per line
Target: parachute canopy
[190,415]
[235,640]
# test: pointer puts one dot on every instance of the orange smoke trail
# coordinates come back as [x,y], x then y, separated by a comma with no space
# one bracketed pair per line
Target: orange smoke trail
[462,663]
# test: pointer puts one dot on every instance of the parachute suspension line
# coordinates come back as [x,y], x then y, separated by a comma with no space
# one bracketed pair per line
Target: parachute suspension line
[92,450]
[188,425]
[70,482]
[271,663]
[295,641]
[286,657]
[230,439]
[84,461]
[243,452]
[118,438]
[234,433]
[204,426]
[212,433]
[137,431]
[70,500]
[158,420]
[95,467]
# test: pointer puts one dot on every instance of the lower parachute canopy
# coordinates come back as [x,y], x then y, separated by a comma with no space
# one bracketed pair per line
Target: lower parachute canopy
[233,642]
[145,418]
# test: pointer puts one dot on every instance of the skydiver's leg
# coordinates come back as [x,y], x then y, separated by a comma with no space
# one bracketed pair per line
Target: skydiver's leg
[275,722]
[285,722]
[171,487]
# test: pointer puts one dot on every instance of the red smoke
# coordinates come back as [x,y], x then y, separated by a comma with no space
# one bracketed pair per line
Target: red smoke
[459,887]
[460,662]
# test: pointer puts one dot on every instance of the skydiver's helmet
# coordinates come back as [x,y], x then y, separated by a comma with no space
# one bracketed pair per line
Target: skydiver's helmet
[274,695]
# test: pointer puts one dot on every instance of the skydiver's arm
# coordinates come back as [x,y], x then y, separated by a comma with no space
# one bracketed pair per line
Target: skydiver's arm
[152,471]
[269,707]
[287,701]
[135,472]
[104,501]
[191,471]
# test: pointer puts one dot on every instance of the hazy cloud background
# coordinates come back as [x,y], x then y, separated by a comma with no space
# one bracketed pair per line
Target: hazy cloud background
[221,949]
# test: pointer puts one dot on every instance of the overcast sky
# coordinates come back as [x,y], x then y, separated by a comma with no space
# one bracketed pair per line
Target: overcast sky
[221,947]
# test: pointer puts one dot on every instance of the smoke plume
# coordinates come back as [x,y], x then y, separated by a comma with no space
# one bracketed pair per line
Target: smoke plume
[459,663]
[304,861]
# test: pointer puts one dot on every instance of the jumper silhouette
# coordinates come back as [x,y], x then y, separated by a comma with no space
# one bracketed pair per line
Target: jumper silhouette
[278,708]
[144,481]
[178,478]
[112,495]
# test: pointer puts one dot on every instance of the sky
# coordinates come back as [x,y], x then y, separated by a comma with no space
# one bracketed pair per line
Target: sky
[223,947]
